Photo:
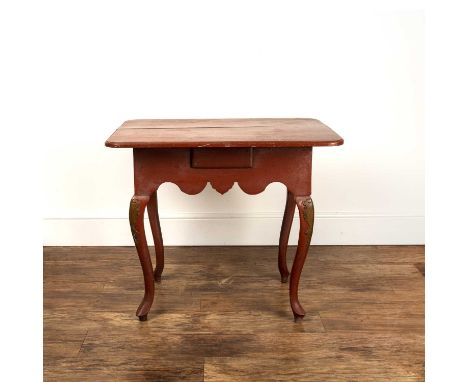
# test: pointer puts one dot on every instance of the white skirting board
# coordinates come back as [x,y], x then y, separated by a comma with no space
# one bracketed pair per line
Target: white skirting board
[241,229]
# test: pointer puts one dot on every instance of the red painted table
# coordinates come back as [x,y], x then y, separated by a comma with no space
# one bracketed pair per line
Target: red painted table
[251,152]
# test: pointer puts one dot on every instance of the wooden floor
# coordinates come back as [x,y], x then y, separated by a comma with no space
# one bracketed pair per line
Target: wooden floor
[221,314]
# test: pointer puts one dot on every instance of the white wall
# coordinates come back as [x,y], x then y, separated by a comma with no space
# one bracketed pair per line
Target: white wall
[361,72]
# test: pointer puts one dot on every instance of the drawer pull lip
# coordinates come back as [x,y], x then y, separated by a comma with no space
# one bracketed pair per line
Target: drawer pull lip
[219,158]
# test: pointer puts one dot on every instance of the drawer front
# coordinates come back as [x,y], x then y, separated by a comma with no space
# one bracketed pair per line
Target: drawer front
[232,157]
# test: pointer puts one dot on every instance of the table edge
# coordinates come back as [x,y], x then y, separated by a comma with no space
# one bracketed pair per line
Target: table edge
[163,145]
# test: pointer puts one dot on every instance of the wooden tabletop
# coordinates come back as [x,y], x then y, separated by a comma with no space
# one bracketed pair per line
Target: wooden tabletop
[257,132]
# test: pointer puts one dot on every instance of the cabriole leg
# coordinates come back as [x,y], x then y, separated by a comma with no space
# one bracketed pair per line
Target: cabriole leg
[306,216]
[284,236]
[157,236]
[136,215]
